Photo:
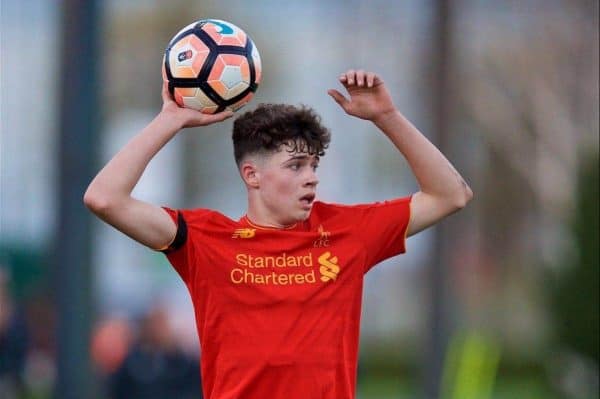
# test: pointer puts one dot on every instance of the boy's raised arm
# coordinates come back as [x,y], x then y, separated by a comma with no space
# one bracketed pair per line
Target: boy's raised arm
[442,189]
[109,194]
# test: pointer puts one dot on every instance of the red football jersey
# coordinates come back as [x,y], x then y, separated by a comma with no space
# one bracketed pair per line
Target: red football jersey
[278,310]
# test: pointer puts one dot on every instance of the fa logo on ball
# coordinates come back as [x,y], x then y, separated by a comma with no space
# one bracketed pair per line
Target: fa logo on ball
[184,55]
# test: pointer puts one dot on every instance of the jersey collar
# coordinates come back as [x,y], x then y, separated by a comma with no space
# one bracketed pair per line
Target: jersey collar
[295,226]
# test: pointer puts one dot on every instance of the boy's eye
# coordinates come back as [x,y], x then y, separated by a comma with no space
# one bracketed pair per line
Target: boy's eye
[295,166]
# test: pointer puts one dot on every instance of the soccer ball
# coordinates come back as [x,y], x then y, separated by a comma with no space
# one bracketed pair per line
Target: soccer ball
[212,65]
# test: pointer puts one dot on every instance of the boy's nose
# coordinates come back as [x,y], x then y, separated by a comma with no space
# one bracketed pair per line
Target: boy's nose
[312,179]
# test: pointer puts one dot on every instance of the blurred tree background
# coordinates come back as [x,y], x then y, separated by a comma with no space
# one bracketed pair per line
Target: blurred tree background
[574,293]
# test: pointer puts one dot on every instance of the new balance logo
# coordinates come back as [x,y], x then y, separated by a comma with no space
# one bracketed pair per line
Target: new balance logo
[243,233]
[329,267]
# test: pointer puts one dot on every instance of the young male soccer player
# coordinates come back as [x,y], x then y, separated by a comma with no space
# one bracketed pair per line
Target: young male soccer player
[277,293]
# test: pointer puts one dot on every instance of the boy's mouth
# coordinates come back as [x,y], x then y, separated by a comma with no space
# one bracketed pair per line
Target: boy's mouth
[307,199]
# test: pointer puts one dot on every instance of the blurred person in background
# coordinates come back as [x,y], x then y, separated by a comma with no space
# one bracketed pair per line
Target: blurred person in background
[111,341]
[155,367]
[13,343]
[277,294]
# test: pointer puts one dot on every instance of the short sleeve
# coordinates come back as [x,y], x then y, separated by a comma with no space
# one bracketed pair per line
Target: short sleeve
[382,227]
[181,254]
[183,251]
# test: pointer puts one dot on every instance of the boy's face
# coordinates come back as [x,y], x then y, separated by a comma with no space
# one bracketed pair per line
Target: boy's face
[287,185]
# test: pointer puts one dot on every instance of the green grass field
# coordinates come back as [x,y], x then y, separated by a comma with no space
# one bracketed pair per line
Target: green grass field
[507,388]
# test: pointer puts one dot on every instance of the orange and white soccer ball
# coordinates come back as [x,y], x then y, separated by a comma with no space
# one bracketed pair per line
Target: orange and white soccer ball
[212,65]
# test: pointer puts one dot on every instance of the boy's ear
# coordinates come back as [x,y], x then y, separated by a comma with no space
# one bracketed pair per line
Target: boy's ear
[249,173]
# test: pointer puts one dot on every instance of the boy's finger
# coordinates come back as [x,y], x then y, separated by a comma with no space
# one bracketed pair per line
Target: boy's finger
[360,77]
[338,97]
[166,96]
[370,78]
[350,77]
[221,116]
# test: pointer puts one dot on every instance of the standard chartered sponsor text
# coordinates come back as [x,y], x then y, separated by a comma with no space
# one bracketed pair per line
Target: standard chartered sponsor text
[253,269]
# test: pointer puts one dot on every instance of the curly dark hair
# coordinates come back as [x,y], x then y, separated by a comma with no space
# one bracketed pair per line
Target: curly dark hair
[269,126]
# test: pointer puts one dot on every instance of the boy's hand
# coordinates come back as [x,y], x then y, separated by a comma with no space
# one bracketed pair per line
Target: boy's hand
[188,117]
[369,98]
